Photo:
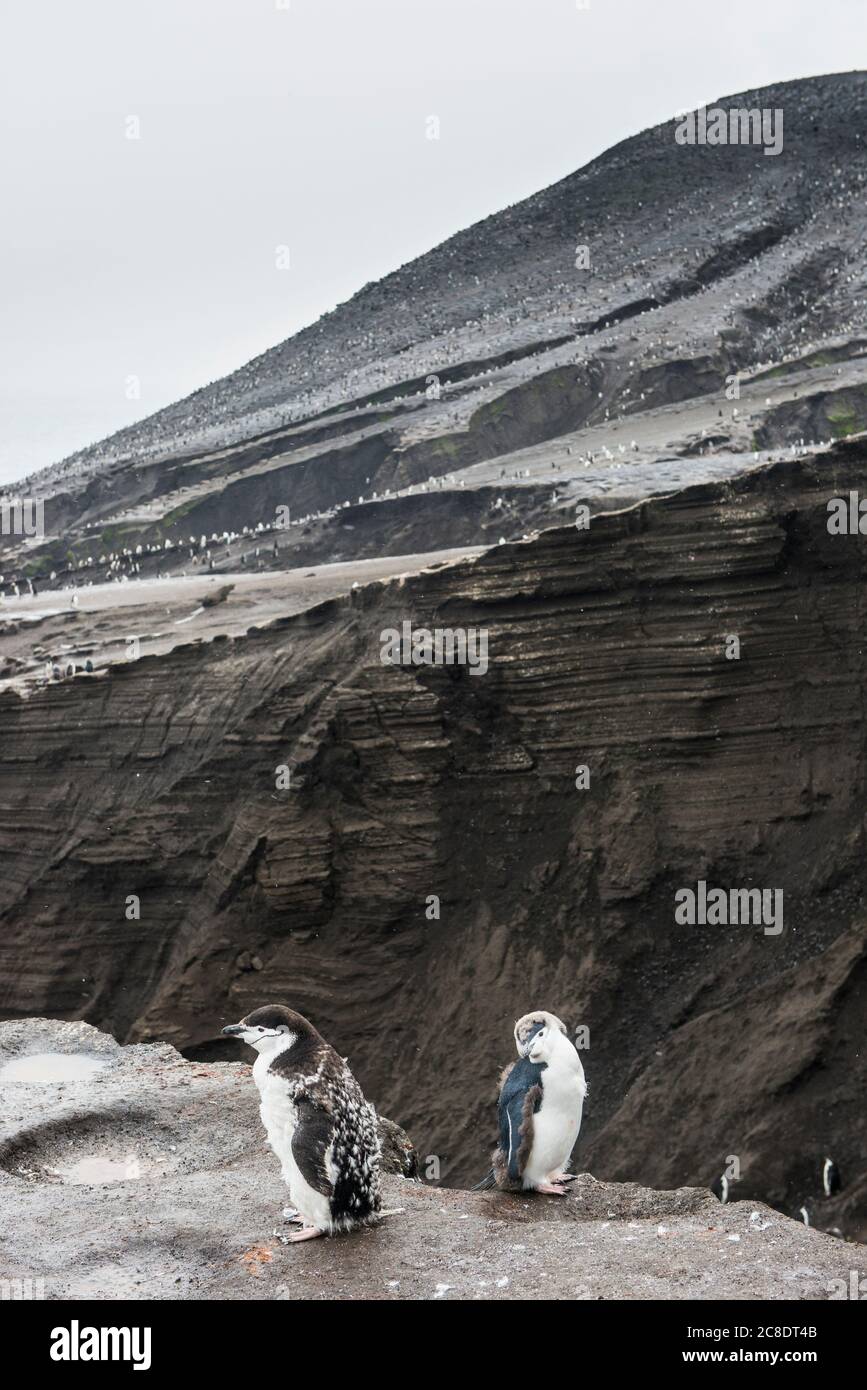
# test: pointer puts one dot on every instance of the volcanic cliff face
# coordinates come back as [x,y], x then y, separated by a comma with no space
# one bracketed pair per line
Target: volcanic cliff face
[159,782]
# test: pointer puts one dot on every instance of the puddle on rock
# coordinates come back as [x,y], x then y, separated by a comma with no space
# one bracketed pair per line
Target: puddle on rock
[50,1066]
[97,1168]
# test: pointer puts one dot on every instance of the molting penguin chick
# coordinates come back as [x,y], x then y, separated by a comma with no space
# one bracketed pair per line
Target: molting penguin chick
[318,1123]
[540,1105]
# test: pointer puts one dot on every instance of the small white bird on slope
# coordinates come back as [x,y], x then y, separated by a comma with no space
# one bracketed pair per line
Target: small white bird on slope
[540,1106]
[318,1123]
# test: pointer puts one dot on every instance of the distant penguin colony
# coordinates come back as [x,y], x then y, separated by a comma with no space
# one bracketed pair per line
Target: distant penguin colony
[318,1123]
[540,1106]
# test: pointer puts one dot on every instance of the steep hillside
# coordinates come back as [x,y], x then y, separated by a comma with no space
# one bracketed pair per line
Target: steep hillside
[701,262]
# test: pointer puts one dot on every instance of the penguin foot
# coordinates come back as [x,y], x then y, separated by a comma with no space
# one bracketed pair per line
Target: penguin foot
[551,1189]
[562,1177]
[306,1233]
[294,1215]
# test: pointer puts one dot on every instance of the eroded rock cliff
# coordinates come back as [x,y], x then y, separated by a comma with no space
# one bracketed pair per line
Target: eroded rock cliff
[157,780]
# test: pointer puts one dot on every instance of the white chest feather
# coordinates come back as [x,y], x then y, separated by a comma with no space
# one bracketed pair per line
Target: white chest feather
[557,1122]
[279,1118]
[275,1107]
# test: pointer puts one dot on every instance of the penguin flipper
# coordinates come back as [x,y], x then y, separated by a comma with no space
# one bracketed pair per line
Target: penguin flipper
[311,1139]
[520,1098]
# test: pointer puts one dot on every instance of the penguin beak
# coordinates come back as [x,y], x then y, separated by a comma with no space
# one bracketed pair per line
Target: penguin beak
[233,1030]
[527,1044]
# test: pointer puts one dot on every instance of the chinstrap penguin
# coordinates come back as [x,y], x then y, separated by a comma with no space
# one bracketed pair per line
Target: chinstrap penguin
[540,1106]
[318,1123]
[720,1188]
[831,1183]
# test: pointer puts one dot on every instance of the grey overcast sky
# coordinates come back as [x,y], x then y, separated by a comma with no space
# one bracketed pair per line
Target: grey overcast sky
[302,123]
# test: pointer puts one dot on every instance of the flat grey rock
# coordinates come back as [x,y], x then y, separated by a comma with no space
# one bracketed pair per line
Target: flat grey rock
[198,1213]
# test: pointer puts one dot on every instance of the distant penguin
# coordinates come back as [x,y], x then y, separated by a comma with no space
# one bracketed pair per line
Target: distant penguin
[318,1123]
[540,1106]
[720,1188]
[830,1178]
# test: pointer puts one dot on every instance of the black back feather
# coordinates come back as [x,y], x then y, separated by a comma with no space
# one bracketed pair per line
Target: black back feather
[522,1077]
